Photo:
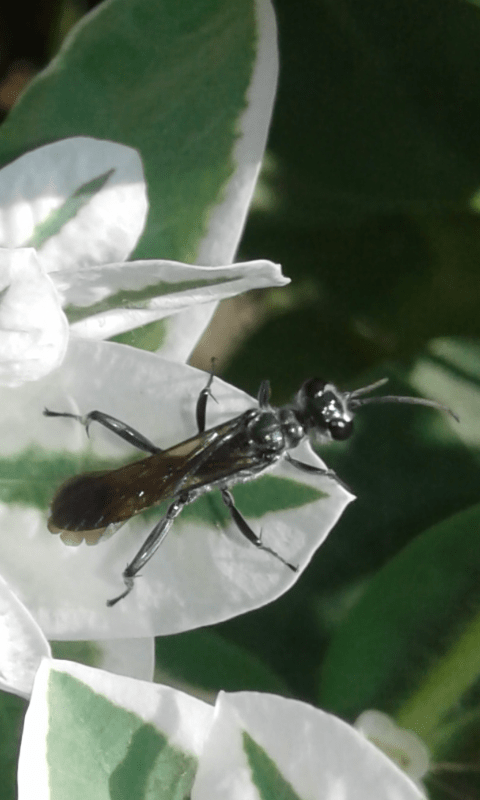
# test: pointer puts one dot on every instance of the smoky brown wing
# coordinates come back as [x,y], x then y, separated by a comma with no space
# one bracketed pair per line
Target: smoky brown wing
[224,464]
[94,500]
[91,502]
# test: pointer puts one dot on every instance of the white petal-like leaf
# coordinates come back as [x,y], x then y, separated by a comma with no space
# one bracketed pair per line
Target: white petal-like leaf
[105,301]
[79,201]
[33,327]
[90,733]
[205,571]
[404,747]
[263,746]
[22,644]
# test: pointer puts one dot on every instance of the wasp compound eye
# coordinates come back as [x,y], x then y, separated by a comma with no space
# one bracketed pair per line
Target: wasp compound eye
[340,429]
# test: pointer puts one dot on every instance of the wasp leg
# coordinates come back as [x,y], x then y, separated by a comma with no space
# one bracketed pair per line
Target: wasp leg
[264,394]
[201,408]
[149,547]
[326,473]
[247,531]
[113,424]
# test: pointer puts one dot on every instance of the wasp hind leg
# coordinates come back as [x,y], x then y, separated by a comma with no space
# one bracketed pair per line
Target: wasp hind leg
[247,531]
[113,424]
[149,547]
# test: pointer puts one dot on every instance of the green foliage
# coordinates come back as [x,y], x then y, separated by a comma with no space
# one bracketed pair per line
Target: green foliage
[204,659]
[12,712]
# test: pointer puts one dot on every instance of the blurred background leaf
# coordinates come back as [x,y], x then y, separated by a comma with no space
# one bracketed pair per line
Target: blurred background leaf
[369,199]
[12,712]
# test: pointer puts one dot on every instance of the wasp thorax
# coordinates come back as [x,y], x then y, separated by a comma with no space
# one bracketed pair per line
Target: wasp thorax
[293,430]
[266,432]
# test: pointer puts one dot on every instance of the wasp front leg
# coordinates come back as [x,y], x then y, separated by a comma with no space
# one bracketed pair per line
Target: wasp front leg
[113,424]
[247,531]
[325,473]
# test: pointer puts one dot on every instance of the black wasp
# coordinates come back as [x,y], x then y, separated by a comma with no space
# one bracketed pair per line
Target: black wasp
[96,504]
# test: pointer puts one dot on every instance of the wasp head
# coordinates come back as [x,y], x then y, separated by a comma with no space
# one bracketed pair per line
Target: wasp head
[324,409]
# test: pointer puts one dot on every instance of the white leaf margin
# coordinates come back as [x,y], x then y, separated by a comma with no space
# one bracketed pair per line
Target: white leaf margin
[227,218]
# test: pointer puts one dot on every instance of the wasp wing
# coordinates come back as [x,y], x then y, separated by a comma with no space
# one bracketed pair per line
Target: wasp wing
[89,505]
[233,459]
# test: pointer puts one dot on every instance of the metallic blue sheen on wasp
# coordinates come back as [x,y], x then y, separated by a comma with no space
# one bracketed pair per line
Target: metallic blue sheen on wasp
[93,505]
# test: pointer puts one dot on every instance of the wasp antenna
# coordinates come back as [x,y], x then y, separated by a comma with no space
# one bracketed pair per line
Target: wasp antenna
[367,389]
[412,401]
